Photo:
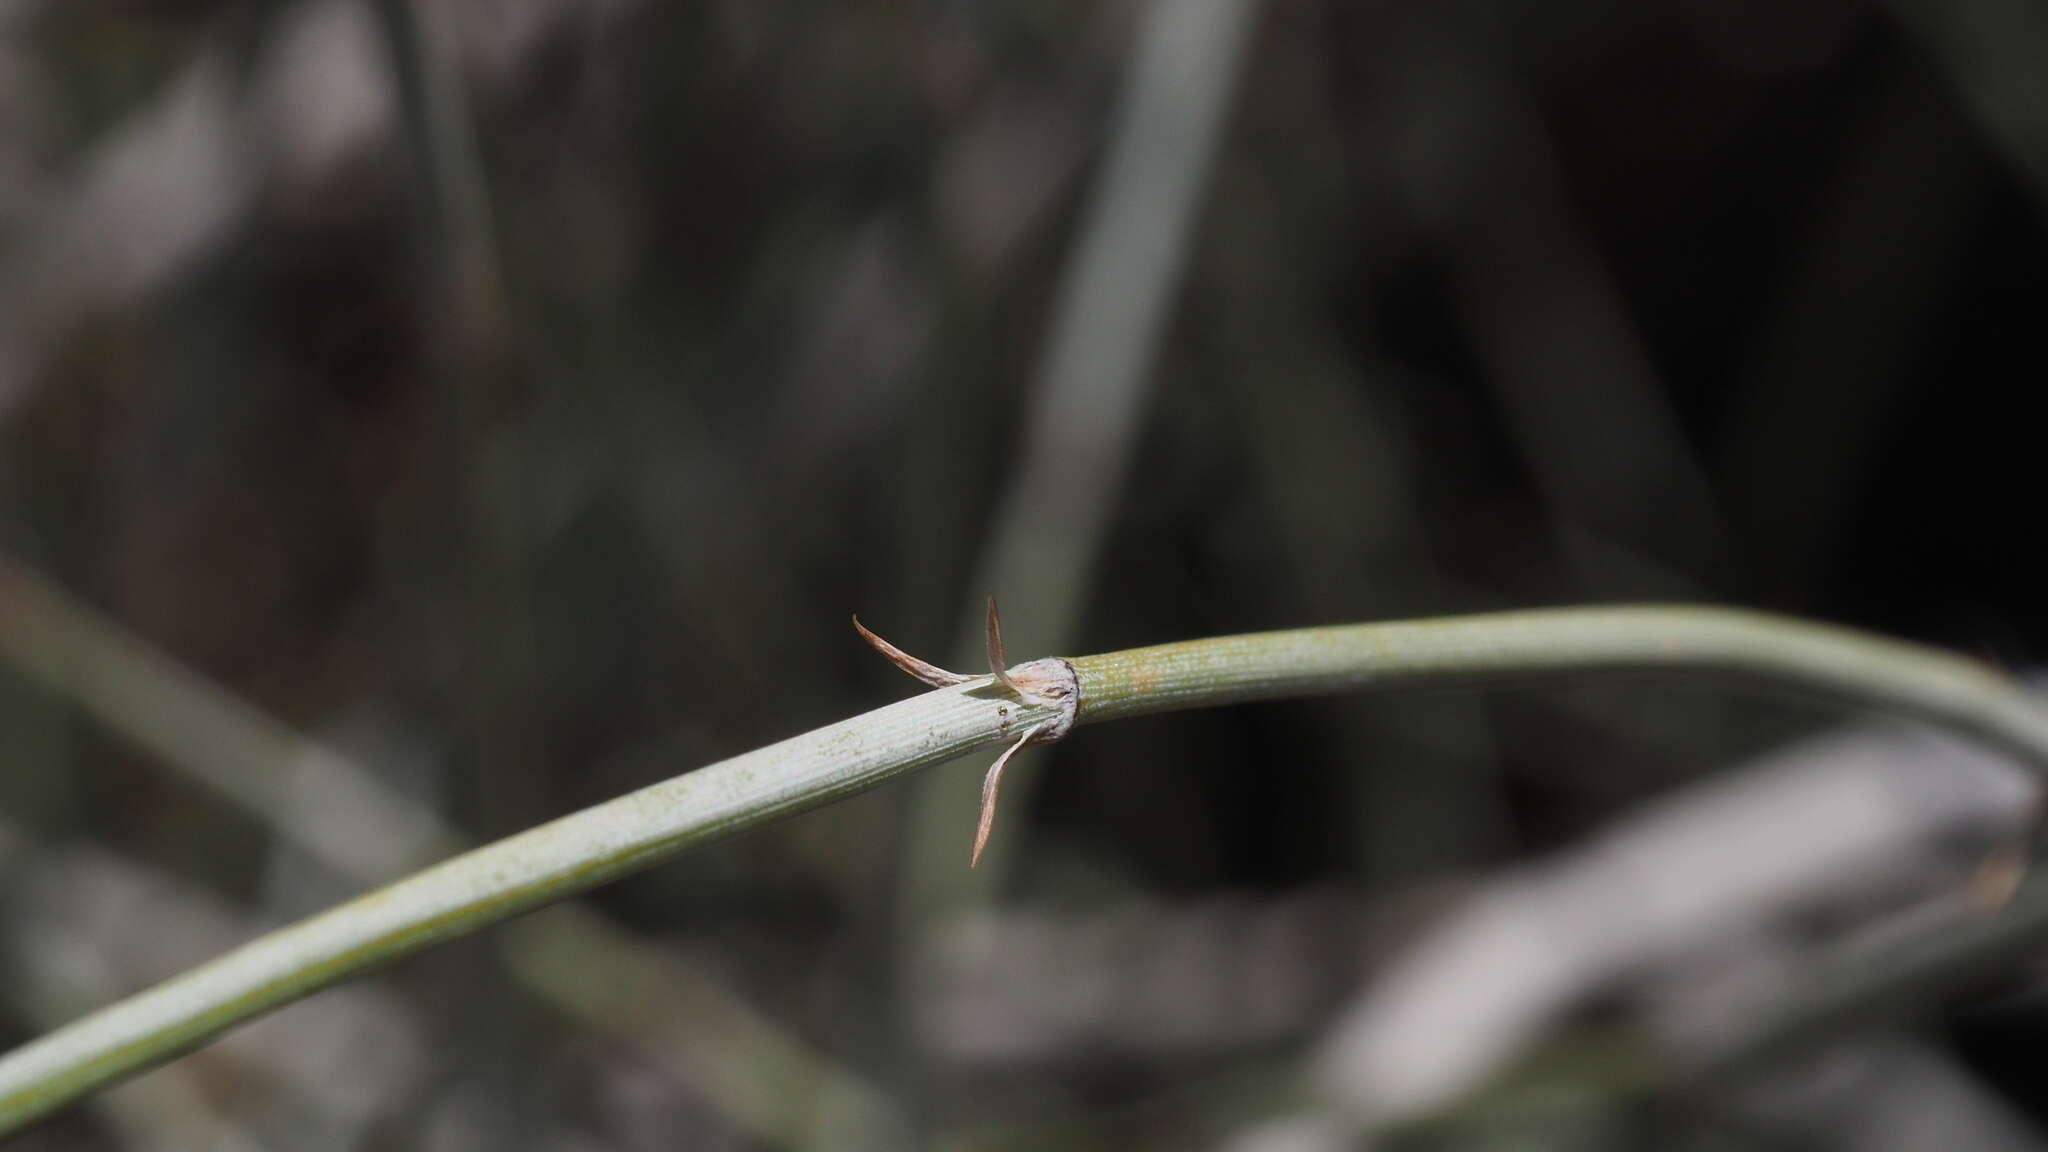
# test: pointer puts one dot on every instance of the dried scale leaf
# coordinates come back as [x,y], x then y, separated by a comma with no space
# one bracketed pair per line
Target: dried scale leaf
[991,785]
[1051,682]
[931,674]
[995,649]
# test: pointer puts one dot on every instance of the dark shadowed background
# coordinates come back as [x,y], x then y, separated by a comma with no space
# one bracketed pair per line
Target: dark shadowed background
[488,407]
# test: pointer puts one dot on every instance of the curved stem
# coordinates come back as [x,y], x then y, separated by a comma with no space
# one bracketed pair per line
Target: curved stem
[1815,659]
[579,851]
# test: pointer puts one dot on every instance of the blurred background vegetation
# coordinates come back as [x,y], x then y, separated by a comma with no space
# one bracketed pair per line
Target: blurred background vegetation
[420,419]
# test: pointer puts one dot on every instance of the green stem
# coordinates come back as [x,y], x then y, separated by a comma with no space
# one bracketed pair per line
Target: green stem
[587,848]
[1816,659]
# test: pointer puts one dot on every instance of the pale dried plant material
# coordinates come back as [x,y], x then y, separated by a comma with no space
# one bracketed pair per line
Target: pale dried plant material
[931,674]
[2006,866]
[1050,682]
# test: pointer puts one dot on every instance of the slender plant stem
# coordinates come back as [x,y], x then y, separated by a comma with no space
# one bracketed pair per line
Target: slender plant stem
[587,848]
[1814,659]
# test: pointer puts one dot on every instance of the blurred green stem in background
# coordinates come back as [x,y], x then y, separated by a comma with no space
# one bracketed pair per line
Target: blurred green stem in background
[1091,389]
[634,831]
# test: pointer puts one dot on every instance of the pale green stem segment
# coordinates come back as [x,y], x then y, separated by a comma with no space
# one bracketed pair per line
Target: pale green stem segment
[1834,663]
[634,831]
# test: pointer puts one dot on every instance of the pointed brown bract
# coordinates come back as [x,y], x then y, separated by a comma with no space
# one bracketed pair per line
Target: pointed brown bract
[1048,683]
[991,786]
[996,665]
[931,674]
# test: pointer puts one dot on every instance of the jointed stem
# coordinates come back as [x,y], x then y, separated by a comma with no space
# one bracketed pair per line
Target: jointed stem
[634,831]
